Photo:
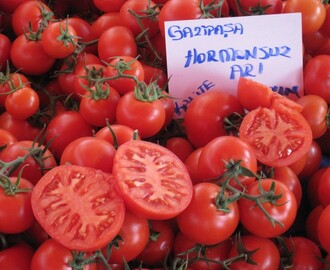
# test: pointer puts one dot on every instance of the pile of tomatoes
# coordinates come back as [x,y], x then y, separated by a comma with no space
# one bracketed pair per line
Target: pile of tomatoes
[96,172]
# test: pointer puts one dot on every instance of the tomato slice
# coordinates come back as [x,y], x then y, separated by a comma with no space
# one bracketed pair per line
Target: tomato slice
[152,180]
[279,136]
[78,207]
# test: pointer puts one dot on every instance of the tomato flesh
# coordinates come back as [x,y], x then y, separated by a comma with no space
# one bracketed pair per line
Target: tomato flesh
[78,207]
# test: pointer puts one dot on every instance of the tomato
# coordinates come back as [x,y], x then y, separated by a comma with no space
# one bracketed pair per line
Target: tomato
[311,223]
[31,15]
[105,21]
[131,110]
[59,39]
[220,155]
[316,77]
[122,66]
[134,235]
[53,254]
[325,29]
[17,216]
[78,207]
[255,7]
[313,187]
[108,5]
[322,226]
[35,235]
[323,188]
[265,254]
[17,256]
[91,152]
[9,7]
[201,257]
[314,42]
[122,134]
[280,206]
[6,138]
[160,243]
[153,181]
[192,165]
[180,146]
[64,128]
[313,13]
[168,104]
[5,45]
[29,56]
[140,16]
[22,103]
[279,136]
[122,40]
[153,73]
[206,220]
[218,106]
[313,161]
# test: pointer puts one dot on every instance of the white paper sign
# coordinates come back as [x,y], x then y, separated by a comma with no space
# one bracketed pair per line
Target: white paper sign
[209,54]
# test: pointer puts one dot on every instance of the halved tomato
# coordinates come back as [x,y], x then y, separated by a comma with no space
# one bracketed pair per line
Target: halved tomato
[78,207]
[152,180]
[279,135]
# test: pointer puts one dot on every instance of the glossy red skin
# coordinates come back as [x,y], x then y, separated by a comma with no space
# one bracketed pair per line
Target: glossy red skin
[18,256]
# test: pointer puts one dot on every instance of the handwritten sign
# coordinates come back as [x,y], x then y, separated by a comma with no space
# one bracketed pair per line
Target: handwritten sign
[213,53]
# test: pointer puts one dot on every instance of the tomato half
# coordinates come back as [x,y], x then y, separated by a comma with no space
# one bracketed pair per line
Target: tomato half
[78,207]
[153,181]
[279,136]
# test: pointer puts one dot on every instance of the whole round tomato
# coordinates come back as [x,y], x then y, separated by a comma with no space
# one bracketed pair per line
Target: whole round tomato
[17,256]
[17,216]
[262,251]
[53,254]
[279,208]
[6,138]
[134,236]
[323,192]
[5,45]
[191,164]
[313,161]
[78,207]
[105,21]
[312,222]
[255,7]
[153,182]
[313,13]
[9,7]
[130,112]
[35,166]
[316,77]
[180,146]
[208,219]
[91,152]
[122,42]
[313,187]
[217,105]
[108,5]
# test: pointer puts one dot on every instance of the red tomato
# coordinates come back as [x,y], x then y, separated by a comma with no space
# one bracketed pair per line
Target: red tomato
[53,254]
[134,235]
[78,207]
[316,77]
[322,228]
[153,181]
[105,21]
[206,220]
[5,45]
[35,165]
[192,165]
[325,29]
[29,56]
[9,7]
[120,68]
[313,161]
[17,216]
[313,13]
[218,106]
[108,5]
[255,7]
[311,223]
[313,187]
[279,136]
[64,128]
[22,103]
[131,110]
[90,152]
[152,73]
[280,206]
[220,155]
[180,146]
[6,138]
[264,253]
[323,185]
[18,256]
[31,15]
[59,39]
[122,40]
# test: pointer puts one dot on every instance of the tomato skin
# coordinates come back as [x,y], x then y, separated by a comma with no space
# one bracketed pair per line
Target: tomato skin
[91,152]
[67,192]
[217,105]
[313,187]
[54,255]
[105,21]
[9,7]
[266,256]
[18,256]
[250,7]
[135,235]
[6,138]
[313,161]
[30,56]
[316,77]
[192,165]
[167,190]
[109,5]
[313,13]
[123,42]
[64,128]
[284,209]
[130,111]
[5,45]
[22,103]
[262,128]
[202,221]
[180,146]
[17,216]
[311,223]
[323,188]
